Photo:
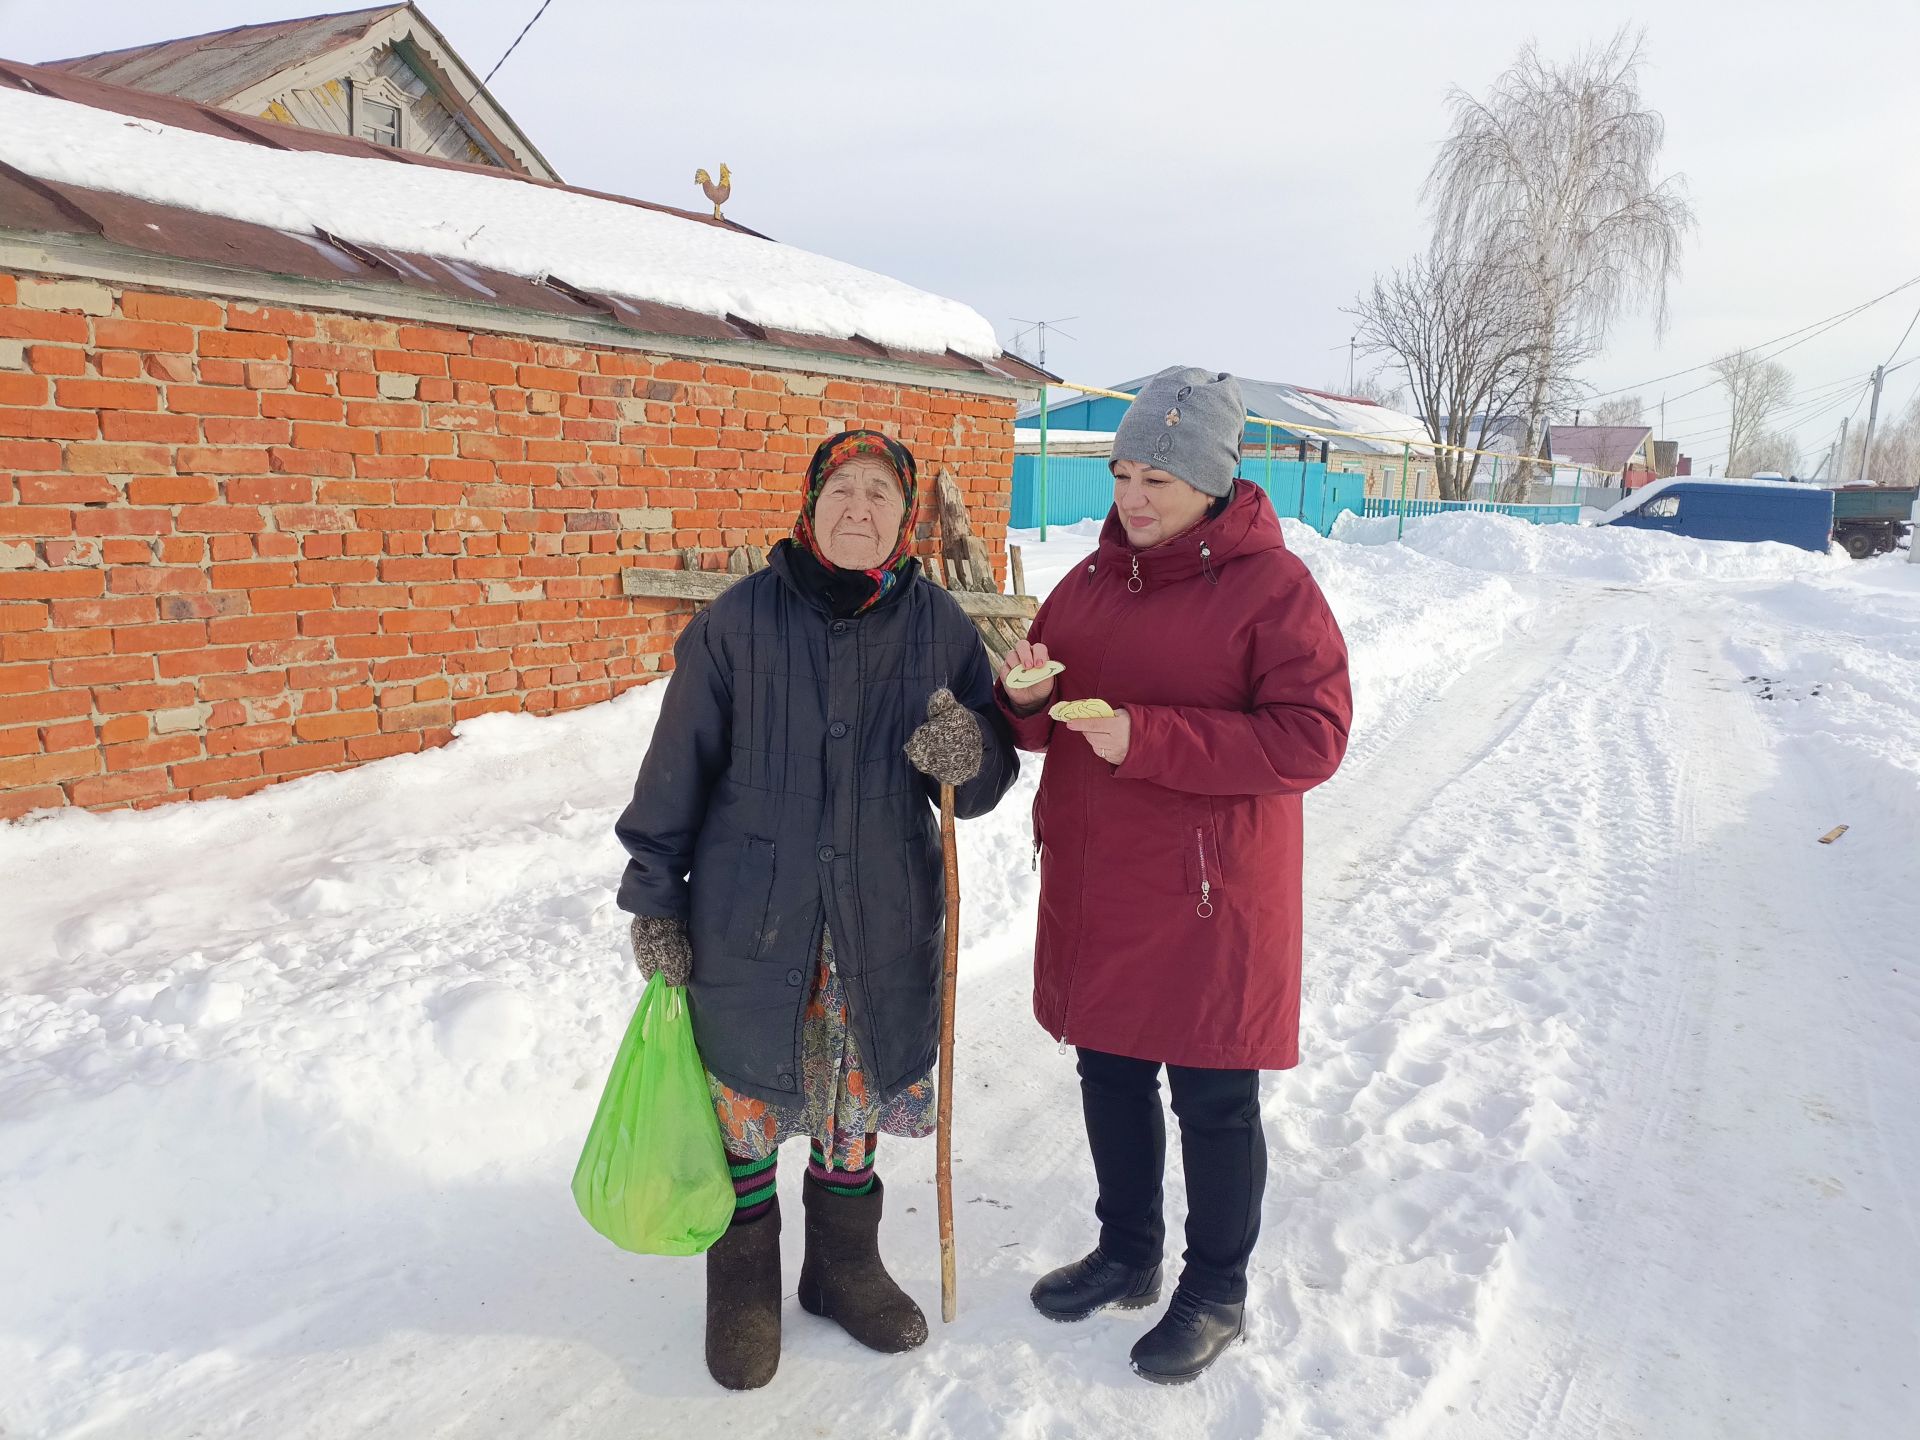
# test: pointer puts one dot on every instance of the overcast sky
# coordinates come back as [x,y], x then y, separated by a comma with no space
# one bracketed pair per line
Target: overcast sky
[1205,183]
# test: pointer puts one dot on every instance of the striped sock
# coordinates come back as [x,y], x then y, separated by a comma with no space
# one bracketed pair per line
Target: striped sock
[841,1182]
[754,1186]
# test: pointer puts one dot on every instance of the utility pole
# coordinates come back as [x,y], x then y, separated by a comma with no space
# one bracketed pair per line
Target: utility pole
[1350,340]
[1873,414]
[1840,455]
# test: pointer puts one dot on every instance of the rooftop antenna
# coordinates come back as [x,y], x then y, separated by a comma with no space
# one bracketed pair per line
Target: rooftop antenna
[1042,326]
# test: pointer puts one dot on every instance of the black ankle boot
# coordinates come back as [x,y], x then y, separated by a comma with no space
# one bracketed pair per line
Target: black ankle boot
[743,1303]
[1189,1338]
[842,1278]
[1092,1283]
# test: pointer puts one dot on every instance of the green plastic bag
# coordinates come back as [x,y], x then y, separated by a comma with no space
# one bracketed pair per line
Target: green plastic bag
[653,1177]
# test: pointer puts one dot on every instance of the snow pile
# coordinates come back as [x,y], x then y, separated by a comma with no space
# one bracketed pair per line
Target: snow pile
[1621,554]
[502,223]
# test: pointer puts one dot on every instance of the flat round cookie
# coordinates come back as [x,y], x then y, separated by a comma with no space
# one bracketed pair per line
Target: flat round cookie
[1082,710]
[1022,678]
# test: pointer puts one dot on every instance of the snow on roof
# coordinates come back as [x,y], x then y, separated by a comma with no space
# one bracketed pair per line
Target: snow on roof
[1365,418]
[498,222]
[1025,435]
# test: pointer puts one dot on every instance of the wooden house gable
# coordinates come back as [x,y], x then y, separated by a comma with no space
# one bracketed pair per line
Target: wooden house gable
[400,84]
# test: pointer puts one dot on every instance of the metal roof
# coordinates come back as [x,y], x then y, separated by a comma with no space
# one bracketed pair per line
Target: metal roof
[29,204]
[1605,447]
[215,67]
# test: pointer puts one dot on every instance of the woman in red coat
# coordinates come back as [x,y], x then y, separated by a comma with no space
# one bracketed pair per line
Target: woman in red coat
[1169,845]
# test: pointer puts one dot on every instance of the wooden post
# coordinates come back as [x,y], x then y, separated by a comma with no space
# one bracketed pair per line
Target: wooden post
[949,1295]
[1019,564]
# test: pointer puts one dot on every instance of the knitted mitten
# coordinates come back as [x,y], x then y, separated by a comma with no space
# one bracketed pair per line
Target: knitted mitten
[948,746]
[660,943]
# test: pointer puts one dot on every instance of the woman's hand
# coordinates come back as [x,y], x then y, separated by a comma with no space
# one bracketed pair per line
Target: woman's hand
[1030,657]
[1109,738]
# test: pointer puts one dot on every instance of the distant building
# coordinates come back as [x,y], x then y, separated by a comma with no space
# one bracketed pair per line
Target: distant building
[1625,451]
[1366,439]
[384,75]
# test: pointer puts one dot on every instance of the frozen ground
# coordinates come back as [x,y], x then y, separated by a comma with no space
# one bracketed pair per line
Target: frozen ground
[1604,1125]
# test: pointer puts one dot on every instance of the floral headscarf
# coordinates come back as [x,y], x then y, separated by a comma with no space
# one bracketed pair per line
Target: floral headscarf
[832,454]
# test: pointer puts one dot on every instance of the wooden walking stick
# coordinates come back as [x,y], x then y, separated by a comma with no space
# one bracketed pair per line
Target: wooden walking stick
[949,1298]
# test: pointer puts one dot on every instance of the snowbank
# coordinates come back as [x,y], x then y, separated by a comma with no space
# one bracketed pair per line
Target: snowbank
[1620,554]
[504,223]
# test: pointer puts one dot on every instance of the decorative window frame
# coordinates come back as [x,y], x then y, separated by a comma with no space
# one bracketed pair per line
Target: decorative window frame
[381,91]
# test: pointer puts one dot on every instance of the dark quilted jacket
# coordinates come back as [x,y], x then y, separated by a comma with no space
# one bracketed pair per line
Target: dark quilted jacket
[776,797]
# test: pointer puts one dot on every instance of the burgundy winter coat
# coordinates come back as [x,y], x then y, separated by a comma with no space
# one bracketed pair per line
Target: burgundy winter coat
[1170,884]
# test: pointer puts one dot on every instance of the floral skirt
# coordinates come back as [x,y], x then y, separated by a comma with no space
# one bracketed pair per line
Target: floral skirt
[837,1108]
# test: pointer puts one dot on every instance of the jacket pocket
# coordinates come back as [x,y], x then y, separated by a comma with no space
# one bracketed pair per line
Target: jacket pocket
[752,895]
[1204,868]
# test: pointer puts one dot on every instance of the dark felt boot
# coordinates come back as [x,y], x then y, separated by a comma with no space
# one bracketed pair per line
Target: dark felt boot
[842,1277]
[743,1303]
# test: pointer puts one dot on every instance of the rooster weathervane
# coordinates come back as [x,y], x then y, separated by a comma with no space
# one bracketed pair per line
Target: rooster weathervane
[716,193]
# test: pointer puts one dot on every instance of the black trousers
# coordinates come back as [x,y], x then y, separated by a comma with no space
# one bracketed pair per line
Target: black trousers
[1225,1154]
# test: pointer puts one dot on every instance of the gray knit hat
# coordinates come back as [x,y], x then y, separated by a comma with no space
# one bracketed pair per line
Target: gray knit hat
[1187,422]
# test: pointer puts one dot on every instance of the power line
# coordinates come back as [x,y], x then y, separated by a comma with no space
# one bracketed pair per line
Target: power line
[1903,338]
[1819,326]
[516,41]
[1815,392]
[454,119]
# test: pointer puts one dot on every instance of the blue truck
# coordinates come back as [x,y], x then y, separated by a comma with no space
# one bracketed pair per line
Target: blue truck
[1703,509]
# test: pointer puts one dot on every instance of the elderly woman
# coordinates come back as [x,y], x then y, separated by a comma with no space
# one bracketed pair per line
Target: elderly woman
[786,867]
[1169,846]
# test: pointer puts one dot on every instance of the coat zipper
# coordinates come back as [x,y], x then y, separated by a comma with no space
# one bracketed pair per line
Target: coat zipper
[1134,583]
[1205,908]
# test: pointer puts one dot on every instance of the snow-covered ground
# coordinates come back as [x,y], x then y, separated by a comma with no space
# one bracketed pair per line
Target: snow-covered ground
[1604,1125]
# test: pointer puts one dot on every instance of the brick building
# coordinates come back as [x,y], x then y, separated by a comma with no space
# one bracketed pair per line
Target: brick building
[274,502]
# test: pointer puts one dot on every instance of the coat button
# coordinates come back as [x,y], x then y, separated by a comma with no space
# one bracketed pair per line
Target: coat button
[786,1082]
[838,729]
[839,627]
[826,852]
[793,977]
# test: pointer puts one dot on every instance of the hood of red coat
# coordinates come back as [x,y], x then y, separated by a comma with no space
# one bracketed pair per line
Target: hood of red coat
[1248,526]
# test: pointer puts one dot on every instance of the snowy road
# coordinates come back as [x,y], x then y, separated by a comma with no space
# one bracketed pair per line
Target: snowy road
[1603,1126]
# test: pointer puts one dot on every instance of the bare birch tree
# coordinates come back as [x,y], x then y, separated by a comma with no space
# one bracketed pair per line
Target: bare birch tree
[1621,410]
[1461,338]
[1555,175]
[1757,389]
[1896,451]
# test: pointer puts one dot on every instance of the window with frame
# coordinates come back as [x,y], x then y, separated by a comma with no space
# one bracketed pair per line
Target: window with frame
[1662,507]
[380,123]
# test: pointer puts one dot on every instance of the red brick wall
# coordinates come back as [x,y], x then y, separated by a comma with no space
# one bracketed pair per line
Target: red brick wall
[240,543]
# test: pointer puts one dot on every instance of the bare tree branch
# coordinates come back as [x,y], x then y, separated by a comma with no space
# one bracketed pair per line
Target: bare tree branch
[1756,389]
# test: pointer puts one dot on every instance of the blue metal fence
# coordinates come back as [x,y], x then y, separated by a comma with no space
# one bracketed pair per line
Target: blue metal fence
[1380,507]
[1079,487]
